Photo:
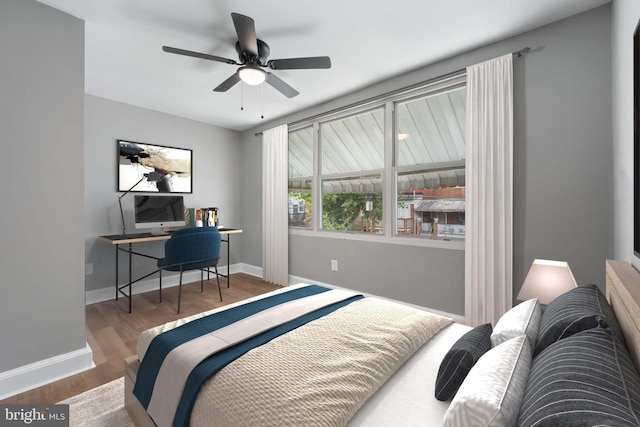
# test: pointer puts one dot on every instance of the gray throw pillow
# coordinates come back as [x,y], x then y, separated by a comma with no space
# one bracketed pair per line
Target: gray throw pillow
[587,379]
[460,359]
[581,308]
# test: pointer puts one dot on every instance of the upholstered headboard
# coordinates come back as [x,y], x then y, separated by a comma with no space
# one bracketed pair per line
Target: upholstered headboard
[623,294]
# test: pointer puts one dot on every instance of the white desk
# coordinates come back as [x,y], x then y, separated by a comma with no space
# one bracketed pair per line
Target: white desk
[129,239]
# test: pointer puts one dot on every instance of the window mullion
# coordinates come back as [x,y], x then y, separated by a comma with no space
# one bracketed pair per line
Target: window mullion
[315,187]
[388,193]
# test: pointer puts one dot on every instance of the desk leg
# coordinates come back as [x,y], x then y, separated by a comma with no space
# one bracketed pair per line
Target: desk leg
[117,270]
[130,278]
[228,261]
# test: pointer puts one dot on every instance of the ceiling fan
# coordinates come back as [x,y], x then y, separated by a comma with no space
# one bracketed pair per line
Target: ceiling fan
[253,54]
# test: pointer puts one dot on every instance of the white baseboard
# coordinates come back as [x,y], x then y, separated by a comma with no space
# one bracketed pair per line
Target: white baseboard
[152,284]
[250,269]
[147,285]
[45,371]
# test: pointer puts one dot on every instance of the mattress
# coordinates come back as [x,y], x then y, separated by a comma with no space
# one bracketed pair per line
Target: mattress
[407,398]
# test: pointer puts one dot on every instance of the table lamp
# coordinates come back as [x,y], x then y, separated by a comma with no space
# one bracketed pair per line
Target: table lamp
[546,280]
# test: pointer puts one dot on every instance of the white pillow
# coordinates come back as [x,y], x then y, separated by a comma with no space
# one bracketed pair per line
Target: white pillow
[492,392]
[523,319]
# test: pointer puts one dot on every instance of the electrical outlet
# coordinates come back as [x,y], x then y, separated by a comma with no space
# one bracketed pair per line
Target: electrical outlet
[88,269]
[334,265]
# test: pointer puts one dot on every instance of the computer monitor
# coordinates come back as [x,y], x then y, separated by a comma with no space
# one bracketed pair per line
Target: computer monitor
[158,211]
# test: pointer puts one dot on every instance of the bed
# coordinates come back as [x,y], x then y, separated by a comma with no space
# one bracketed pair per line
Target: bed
[454,375]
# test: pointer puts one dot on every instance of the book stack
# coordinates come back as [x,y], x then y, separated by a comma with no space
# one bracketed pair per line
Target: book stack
[201,217]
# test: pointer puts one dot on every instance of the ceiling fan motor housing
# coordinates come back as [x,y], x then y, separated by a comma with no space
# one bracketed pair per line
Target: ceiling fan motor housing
[247,58]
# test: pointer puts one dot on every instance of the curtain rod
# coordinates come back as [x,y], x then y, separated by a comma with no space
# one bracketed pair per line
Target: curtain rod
[522,52]
[518,54]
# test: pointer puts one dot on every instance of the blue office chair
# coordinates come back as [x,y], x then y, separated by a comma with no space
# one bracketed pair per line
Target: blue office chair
[191,249]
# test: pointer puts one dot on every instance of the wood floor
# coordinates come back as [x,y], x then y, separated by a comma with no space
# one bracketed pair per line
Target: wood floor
[112,332]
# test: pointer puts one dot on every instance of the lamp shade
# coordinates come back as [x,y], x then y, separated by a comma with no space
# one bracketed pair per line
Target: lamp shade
[252,75]
[546,280]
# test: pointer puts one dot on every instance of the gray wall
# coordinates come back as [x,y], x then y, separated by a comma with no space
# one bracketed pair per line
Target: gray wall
[396,271]
[42,214]
[562,173]
[563,148]
[625,16]
[216,178]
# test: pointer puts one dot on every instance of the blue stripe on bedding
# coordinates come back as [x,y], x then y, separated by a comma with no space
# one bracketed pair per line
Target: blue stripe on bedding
[162,344]
[215,363]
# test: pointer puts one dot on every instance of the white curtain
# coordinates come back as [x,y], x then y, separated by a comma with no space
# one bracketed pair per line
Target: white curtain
[489,191]
[275,206]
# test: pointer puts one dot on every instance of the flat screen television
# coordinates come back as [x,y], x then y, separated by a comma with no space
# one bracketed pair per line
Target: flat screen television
[158,212]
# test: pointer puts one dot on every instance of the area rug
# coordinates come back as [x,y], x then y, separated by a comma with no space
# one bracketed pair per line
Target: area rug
[99,407]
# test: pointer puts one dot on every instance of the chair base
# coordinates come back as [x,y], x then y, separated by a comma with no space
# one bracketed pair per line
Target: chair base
[215,268]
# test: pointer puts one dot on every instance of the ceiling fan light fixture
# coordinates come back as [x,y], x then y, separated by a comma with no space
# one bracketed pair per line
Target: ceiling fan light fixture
[251,75]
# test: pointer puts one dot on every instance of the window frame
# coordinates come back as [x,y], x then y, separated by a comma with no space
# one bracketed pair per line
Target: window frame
[351,174]
[389,172]
[303,178]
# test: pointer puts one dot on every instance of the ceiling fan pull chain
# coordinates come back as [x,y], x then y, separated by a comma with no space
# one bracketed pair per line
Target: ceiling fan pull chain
[262,101]
[241,96]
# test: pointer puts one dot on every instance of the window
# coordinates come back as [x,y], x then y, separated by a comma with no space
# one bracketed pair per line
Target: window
[429,164]
[391,167]
[428,206]
[352,163]
[300,177]
[353,144]
[353,204]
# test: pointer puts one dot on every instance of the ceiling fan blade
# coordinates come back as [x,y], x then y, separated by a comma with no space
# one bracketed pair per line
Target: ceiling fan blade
[280,85]
[228,84]
[246,31]
[300,63]
[198,55]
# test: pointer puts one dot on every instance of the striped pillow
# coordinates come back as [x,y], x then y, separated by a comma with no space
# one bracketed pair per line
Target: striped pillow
[587,379]
[492,393]
[581,308]
[460,359]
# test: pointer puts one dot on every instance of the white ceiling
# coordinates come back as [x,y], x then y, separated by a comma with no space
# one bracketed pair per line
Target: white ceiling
[367,40]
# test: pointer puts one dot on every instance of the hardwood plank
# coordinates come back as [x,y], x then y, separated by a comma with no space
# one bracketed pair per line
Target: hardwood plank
[112,332]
